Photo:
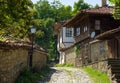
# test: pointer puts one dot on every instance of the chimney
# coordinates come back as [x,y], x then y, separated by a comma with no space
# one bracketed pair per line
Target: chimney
[104,3]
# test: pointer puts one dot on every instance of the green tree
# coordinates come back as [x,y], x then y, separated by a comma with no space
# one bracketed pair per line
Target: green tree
[43,9]
[96,6]
[50,13]
[78,6]
[47,30]
[61,12]
[116,13]
[17,17]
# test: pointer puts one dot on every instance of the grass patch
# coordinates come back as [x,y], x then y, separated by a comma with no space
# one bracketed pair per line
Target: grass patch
[64,65]
[32,75]
[68,72]
[97,76]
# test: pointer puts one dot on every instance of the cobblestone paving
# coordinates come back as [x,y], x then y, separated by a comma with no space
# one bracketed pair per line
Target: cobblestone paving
[66,75]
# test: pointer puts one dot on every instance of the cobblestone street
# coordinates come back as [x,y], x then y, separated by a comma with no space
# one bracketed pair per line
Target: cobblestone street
[66,75]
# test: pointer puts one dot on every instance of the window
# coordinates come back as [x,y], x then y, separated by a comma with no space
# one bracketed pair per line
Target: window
[97,25]
[68,32]
[85,28]
[78,31]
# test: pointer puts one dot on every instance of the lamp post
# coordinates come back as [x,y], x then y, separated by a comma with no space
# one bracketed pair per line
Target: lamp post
[33,30]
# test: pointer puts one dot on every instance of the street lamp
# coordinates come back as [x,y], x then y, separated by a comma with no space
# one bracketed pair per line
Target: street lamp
[33,30]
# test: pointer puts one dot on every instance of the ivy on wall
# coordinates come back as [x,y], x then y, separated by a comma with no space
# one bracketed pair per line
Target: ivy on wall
[77,49]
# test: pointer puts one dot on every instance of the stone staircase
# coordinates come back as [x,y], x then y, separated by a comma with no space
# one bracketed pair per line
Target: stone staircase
[115,68]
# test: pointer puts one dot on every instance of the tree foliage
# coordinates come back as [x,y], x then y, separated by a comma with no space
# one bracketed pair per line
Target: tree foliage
[96,6]
[50,13]
[116,13]
[78,6]
[17,17]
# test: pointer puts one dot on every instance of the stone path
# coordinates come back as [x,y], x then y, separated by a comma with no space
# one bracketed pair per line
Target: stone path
[66,75]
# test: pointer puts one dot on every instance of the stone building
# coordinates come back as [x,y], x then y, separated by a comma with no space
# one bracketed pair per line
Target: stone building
[14,57]
[98,39]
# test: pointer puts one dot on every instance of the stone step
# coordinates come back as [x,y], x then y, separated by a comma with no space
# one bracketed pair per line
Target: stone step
[114,65]
[118,80]
[113,59]
[117,77]
[116,72]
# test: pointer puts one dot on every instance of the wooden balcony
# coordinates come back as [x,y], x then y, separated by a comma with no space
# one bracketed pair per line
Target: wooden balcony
[81,37]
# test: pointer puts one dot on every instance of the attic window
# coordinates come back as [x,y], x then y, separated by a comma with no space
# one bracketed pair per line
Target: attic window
[97,24]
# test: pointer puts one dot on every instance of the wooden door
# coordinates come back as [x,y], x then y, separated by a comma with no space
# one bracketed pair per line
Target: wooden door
[118,48]
[113,44]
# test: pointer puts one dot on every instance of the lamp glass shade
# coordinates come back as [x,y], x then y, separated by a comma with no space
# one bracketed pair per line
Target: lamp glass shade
[33,30]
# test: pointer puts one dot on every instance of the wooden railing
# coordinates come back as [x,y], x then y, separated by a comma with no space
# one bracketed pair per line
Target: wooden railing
[81,37]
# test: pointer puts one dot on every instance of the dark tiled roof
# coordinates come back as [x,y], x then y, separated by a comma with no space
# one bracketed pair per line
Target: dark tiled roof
[20,44]
[99,10]
[108,34]
[105,10]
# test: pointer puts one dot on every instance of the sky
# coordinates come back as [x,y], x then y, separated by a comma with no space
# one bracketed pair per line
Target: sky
[71,2]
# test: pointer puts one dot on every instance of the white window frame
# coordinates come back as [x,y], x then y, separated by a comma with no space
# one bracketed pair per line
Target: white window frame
[68,32]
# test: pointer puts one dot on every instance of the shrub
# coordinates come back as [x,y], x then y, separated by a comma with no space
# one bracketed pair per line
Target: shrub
[32,75]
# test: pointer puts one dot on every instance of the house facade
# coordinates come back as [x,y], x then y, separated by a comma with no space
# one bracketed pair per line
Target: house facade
[97,36]
[64,39]
[91,23]
[96,41]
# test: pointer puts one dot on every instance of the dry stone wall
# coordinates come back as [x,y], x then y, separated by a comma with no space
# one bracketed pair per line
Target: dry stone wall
[99,51]
[39,59]
[99,55]
[70,56]
[15,59]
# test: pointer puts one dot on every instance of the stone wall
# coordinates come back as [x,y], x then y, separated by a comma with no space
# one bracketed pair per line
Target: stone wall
[103,66]
[76,56]
[98,50]
[99,53]
[70,56]
[39,59]
[15,59]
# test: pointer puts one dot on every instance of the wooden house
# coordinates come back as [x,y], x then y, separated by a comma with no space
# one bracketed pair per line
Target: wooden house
[64,39]
[97,35]
[91,22]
